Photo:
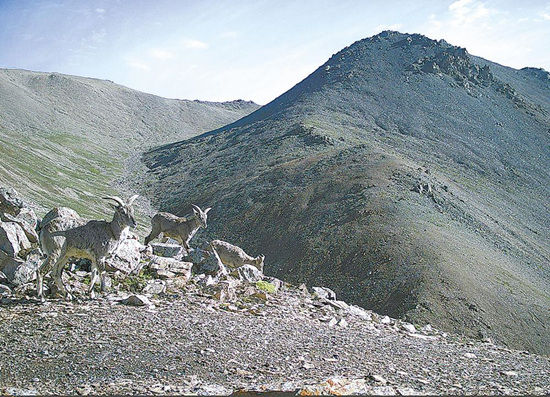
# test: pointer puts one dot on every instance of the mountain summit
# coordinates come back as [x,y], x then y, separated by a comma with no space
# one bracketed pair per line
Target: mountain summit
[406,174]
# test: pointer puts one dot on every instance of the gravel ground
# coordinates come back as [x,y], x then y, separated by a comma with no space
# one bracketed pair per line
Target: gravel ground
[192,343]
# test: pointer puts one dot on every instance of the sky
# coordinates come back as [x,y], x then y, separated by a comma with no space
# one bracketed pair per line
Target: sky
[252,50]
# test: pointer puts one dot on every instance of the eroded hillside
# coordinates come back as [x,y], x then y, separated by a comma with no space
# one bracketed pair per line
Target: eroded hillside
[65,139]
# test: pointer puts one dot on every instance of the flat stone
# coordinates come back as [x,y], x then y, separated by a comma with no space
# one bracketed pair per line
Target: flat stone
[177,268]
[359,312]
[509,373]
[136,300]
[378,379]
[168,250]
[324,293]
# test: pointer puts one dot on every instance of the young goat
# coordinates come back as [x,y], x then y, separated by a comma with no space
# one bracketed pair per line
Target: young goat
[68,236]
[232,256]
[181,229]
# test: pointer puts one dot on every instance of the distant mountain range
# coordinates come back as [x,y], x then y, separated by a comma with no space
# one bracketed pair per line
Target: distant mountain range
[408,175]
[65,139]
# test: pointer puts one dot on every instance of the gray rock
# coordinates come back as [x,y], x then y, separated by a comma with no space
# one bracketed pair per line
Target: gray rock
[385,320]
[168,250]
[155,287]
[427,329]
[10,202]
[59,212]
[359,312]
[208,265]
[378,379]
[13,240]
[18,271]
[325,293]
[5,290]
[342,323]
[276,282]
[248,273]
[127,257]
[408,327]
[26,218]
[163,265]
[338,304]
[136,300]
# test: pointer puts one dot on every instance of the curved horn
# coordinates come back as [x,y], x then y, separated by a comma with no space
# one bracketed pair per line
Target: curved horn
[196,207]
[132,199]
[114,198]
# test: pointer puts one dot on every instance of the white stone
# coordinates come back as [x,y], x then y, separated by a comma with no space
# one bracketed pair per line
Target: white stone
[408,327]
[13,240]
[136,300]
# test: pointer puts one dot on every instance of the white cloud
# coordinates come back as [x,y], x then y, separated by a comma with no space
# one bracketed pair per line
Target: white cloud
[161,54]
[196,44]
[468,11]
[229,35]
[545,16]
[134,64]
[100,10]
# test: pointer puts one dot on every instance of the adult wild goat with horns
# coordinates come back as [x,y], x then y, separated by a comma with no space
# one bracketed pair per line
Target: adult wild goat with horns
[96,240]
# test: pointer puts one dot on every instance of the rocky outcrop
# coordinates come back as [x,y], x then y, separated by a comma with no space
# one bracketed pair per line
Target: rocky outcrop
[127,257]
[18,237]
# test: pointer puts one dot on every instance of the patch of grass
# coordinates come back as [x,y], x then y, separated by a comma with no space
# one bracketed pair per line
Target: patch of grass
[135,283]
[266,286]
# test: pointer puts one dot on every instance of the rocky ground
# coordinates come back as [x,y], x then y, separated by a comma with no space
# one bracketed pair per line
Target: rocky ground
[217,338]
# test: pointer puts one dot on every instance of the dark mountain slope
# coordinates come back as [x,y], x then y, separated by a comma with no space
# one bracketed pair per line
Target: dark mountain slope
[330,181]
[69,136]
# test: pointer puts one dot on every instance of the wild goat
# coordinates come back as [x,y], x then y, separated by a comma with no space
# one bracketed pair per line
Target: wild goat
[181,229]
[232,256]
[71,236]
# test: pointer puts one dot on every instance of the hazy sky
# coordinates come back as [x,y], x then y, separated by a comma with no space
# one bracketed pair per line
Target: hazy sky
[223,50]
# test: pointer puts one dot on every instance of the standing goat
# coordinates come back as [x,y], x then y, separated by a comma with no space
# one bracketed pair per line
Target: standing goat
[181,229]
[67,237]
[232,256]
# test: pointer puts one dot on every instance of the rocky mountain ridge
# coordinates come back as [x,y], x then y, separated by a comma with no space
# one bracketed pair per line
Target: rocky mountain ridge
[404,173]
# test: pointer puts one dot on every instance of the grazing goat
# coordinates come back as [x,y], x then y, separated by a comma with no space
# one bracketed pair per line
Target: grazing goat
[232,256]
[181,229]
[71,236]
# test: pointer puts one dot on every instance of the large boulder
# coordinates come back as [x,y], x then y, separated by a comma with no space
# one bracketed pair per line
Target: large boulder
[13,240]
[127,257]
[60,212]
